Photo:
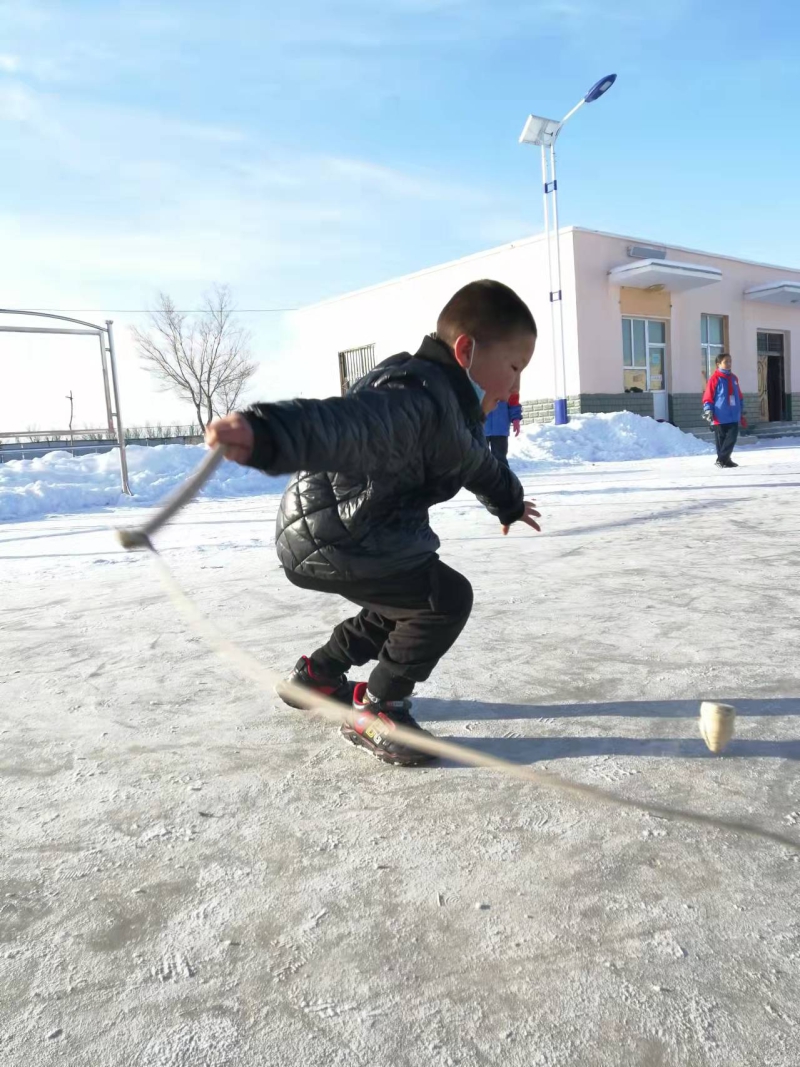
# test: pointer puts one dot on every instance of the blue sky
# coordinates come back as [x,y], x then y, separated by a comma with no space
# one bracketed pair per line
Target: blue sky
[300,150]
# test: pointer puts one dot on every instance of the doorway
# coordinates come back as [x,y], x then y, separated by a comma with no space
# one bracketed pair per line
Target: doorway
[775,389]
[772,376]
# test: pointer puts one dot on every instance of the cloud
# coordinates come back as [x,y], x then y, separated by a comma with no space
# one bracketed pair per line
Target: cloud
[398,183]
[8,64]
[18,104]
[129,201]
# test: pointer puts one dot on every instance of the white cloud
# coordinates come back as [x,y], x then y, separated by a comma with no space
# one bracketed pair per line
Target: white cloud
[18,104]
[398,183]
[8,64]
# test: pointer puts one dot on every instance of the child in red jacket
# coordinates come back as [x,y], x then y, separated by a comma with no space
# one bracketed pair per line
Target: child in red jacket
[723,407]
[497,425]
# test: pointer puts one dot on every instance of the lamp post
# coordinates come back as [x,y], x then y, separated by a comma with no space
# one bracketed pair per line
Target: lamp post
[544,133]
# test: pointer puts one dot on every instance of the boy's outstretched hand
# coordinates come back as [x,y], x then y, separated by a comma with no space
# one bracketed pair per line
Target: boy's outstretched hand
[235,434]
[529,516]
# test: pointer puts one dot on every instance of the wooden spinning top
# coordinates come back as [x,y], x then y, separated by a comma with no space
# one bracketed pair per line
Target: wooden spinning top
[716,724]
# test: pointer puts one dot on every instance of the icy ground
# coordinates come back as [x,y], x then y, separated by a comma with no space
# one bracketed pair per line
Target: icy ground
[193,875]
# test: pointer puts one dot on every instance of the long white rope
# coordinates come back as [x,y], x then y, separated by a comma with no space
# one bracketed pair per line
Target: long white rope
[332,711]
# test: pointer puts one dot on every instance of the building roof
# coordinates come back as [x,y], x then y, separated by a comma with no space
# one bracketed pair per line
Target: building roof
[531,240]
[681,248]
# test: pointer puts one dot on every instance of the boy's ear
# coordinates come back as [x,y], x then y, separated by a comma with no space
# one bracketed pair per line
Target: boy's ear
[463,348]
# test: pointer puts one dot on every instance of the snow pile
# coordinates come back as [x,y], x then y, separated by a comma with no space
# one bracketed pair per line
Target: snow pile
[614,437]
[59,483]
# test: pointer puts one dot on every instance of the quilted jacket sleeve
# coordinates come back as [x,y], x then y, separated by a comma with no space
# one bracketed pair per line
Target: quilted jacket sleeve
[372,430]
[497,487]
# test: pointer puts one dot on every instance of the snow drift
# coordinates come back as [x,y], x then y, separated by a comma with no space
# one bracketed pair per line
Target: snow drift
[59,483]
[614,437]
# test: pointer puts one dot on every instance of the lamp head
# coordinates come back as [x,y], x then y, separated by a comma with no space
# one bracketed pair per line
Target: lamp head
[599,88]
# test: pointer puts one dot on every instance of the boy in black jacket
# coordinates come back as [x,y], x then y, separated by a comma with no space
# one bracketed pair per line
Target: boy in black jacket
[354,520]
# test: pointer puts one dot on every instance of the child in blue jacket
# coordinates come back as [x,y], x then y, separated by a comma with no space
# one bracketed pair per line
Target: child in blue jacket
[498,423]
[723,407]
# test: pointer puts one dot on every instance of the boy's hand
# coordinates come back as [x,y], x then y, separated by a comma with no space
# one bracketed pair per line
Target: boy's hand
[515,424]
[235,434]
[529,517]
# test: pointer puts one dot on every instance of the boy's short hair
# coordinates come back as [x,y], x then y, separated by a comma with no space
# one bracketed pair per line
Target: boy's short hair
[486,310]
[720,357]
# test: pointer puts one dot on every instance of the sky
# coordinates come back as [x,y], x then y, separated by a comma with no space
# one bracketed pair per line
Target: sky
[296,151]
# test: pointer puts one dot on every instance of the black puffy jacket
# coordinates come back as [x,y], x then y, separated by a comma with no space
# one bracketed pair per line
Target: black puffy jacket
[407,435]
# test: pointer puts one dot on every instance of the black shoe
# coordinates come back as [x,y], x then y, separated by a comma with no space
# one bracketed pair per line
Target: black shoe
[372,723]
[729,463]
[718,463]
[336,688]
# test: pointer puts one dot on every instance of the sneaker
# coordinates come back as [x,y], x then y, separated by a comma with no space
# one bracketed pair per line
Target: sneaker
[336,688]
[372,722]
[729,463]
[718,463]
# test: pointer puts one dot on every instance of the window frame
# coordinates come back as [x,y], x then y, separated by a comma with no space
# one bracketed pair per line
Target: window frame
[628,320]
[708,350]
[354,363]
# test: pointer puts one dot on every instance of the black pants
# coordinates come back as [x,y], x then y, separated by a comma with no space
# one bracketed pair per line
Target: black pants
[499,447]
[407,622]
[726,434]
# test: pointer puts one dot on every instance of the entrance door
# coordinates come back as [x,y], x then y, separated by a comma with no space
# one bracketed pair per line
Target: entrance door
[775,389]
[772,376]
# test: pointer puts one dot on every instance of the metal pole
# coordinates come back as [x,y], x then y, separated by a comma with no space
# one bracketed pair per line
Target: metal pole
[546,196]
[47,329]
[123,461]
[106,390]
[561,399]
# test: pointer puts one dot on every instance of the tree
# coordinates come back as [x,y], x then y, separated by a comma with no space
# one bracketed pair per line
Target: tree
[205,359]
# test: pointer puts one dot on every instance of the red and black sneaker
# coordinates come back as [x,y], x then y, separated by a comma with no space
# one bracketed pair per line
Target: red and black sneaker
[337,688]
[372,723]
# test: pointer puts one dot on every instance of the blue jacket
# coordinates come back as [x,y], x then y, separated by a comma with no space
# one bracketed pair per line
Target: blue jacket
[498,422]
[723,396]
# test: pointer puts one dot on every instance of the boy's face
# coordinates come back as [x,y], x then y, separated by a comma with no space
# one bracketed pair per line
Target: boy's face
[496,366]
[726,363]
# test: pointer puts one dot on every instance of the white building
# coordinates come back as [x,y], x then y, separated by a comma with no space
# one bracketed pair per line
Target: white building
[642,325]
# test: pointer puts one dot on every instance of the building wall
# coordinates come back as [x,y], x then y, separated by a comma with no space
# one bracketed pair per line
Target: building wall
[541,410]
[396,316]
[589,403]
[601,305]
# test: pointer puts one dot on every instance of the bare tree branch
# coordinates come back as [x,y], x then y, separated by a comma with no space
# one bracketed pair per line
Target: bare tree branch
[205,360]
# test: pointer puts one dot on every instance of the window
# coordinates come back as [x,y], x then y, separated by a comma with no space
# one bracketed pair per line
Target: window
[354,363]
[644,354]
[712,341]
[770,344]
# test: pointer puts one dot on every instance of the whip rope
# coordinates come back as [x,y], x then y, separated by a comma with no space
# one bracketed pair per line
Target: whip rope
[325,708]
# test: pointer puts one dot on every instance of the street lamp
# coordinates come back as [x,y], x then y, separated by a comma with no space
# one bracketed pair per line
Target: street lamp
[544,133]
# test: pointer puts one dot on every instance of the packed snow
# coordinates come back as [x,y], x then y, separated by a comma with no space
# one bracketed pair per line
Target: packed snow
[605,438]
[59,483]
[192,873]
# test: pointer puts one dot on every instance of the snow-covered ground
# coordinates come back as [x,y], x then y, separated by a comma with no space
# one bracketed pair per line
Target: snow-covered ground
[193,874]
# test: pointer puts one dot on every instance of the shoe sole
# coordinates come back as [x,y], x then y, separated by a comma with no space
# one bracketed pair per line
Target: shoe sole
[361,743]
